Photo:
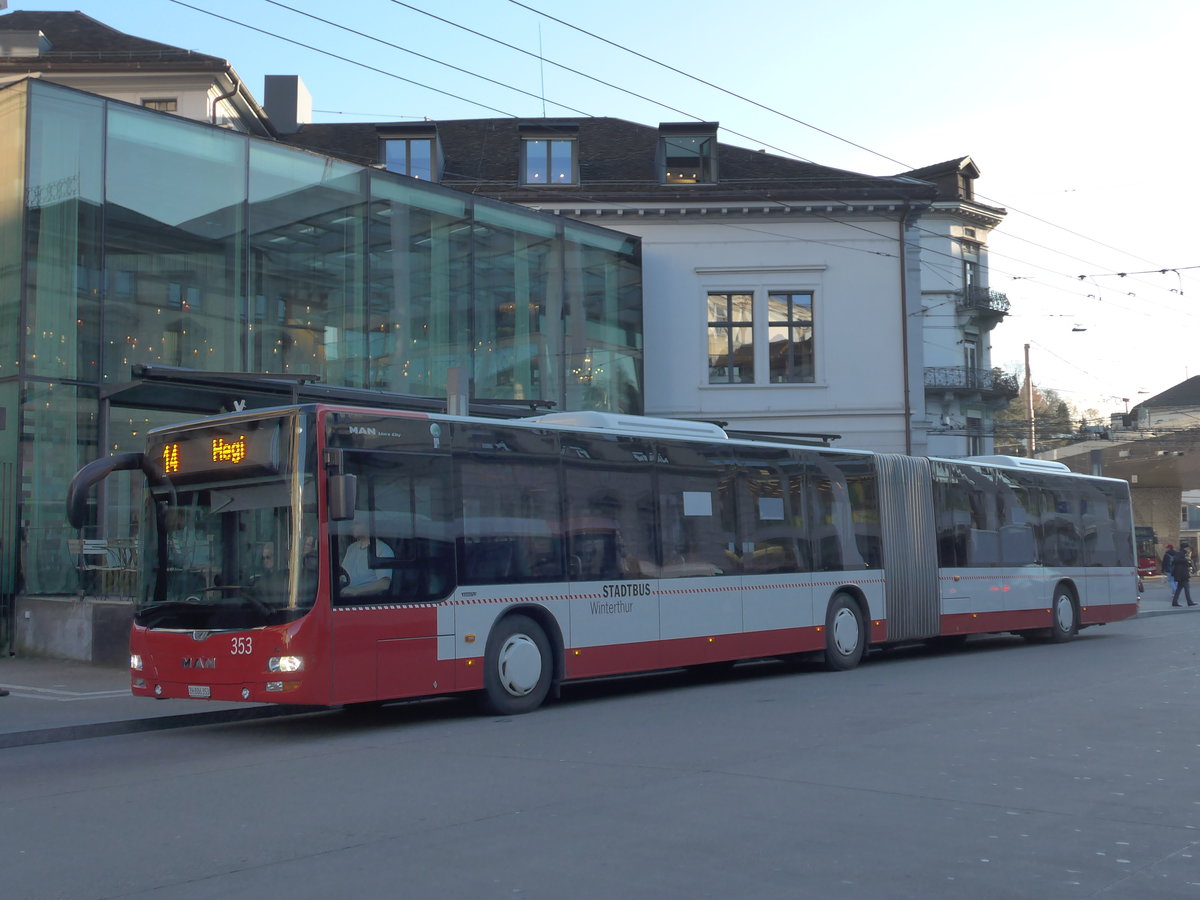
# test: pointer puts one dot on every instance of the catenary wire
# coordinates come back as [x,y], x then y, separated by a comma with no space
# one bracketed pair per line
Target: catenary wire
[397,2]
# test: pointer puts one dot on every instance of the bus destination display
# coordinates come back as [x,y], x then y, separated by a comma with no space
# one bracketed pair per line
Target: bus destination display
[208,453]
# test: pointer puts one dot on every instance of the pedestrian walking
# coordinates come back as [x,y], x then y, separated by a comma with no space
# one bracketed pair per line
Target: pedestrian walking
[1182,570]
[1167,561]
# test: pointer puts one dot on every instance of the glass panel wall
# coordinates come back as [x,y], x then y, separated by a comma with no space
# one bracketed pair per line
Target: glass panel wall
[517,304]
[131,237]
[307,265]
[174,220]
[12,194]
[9,492]
[419,293]
[63,200]
[59,435]
[603,368]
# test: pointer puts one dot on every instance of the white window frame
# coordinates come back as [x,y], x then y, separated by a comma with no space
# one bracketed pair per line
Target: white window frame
[761,282]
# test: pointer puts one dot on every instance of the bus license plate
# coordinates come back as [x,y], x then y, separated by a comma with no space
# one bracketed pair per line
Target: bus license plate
[199,691]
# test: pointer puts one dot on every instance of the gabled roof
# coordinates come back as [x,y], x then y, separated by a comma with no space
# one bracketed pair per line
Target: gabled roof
[1184,394]
[617,160]
[955,180]
[963,165]
[79,41]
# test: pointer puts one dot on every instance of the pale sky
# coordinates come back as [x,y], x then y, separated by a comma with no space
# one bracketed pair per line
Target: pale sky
[1079,113]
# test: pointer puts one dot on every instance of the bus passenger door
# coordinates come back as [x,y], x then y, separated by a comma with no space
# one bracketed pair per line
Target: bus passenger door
[393,564]
[700,587]
[776,554]
[612,554]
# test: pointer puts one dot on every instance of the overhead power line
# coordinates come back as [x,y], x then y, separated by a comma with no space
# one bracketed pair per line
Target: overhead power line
[716,87]
[601,81]
[615,87]
[346,59]
[791,118]
[431,59]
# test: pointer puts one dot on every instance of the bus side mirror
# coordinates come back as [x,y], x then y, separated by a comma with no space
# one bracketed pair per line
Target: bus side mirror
[95,472]
[343,496]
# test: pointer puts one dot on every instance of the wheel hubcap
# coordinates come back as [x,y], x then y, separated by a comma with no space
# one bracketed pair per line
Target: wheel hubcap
[520,664]
[845,632]
[1065,613]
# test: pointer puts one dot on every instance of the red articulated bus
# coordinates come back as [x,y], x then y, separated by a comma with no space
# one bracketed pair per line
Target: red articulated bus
[326,554]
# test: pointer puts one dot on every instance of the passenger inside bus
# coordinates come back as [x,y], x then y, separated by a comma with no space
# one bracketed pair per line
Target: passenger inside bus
[358,578]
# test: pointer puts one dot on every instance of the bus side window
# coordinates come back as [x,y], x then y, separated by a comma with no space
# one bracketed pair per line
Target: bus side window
[695,489]
[771,516]
[405,508]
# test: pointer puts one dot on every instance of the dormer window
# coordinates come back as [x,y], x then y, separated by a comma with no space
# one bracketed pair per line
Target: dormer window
[412,150]
[688,153]
[966,186]
[549,154]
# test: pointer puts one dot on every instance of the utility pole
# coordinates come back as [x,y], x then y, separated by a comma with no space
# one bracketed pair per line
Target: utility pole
[1029,405]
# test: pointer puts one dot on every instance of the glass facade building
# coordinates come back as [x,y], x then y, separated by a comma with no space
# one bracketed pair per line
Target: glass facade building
[129,236]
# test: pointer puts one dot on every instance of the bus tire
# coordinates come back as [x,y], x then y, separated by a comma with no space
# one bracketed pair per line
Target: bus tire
[517,667]
[1064,615]
[845,634]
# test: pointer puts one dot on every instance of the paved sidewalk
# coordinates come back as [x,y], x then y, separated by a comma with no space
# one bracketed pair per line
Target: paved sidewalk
[1156,597]
[53,700]
[56,700]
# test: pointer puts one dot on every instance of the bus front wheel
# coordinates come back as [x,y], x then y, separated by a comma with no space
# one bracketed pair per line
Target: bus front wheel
[845,635]
[1064,622]
[517,667]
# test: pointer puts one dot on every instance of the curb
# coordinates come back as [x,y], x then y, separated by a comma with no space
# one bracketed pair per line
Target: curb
[135,726]
[1161,612]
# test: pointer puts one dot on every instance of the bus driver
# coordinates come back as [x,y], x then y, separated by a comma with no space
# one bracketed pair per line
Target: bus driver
[359,580]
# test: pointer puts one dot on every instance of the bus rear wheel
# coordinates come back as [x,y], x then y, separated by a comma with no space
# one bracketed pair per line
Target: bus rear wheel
[517,667]
[845,636]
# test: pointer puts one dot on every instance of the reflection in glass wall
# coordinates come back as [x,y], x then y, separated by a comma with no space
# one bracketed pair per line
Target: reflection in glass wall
[12,191]
[63,198]
[151,239]
[307,265]
[603,364]
[517,304]
[9,490]
[419,295]
[173,244]
[59,435]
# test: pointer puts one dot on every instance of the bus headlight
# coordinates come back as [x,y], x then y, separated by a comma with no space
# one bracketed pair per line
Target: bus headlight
[285,664]
[135,661]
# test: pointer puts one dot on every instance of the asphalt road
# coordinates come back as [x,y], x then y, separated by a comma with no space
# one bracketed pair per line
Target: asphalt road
[1005,770]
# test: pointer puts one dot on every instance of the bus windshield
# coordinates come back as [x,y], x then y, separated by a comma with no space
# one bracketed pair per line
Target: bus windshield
[231,543]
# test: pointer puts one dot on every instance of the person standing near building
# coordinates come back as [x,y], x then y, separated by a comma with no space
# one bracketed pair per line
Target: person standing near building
[1167,563]
[1181,569]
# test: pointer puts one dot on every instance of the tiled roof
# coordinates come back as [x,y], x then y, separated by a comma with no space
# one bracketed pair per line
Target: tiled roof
[79,40]
[616,160]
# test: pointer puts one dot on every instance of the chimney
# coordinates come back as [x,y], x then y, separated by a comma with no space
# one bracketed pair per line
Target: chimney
[287,102]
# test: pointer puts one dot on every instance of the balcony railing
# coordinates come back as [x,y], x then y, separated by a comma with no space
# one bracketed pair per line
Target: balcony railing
[984,299]
[962,378]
